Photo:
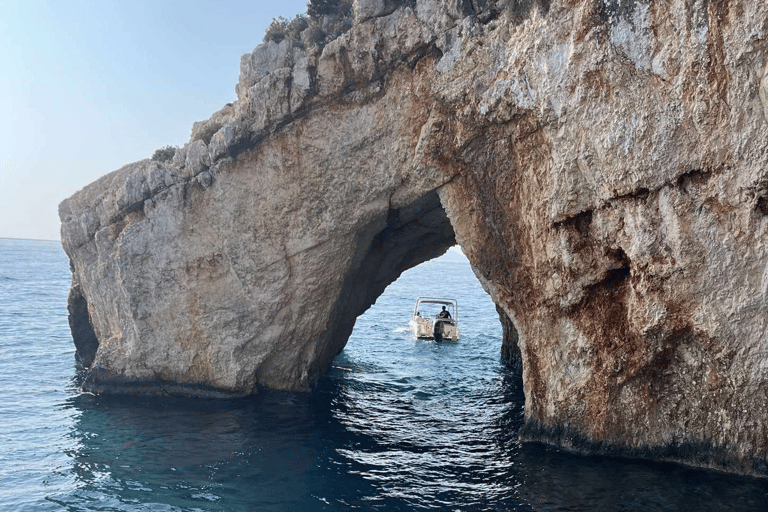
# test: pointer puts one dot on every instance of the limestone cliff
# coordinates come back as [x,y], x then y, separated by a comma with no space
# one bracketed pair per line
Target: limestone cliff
[603,164]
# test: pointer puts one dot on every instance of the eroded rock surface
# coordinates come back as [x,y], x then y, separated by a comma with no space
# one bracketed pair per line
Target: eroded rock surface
[603,165]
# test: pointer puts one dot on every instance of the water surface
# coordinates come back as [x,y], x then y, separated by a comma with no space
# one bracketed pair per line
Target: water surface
[398,424]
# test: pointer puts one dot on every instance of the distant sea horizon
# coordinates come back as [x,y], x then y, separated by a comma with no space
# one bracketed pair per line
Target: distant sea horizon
[29,239]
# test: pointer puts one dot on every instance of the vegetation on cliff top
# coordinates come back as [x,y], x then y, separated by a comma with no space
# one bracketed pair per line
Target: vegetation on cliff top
[324,21]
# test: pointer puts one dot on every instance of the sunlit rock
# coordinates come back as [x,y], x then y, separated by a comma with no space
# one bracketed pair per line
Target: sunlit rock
[602,164]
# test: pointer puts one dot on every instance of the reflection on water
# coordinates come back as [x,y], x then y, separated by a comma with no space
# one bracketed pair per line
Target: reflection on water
[348,444]
[398,424]
[228,455]
[362,441]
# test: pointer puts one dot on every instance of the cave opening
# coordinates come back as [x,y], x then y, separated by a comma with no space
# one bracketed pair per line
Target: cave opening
[447,276]
[416,254]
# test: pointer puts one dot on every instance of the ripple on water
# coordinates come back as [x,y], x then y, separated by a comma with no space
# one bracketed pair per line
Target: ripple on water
[397,424]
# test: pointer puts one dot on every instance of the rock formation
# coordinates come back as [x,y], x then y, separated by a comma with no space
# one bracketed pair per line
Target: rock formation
[603,165]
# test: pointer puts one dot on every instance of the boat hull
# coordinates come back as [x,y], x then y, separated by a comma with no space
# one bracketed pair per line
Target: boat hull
[434,329]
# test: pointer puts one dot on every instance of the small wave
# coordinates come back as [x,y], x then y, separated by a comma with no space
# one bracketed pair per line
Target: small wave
[402,329]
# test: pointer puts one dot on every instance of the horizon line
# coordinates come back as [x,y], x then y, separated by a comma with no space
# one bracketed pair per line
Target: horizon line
[28,239]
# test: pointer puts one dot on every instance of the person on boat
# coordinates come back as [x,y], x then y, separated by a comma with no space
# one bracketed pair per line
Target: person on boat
[444,313]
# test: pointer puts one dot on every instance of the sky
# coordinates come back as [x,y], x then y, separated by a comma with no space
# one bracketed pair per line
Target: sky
[89,86]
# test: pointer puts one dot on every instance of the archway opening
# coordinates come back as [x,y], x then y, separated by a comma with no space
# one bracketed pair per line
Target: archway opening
[397,264]
[447,276]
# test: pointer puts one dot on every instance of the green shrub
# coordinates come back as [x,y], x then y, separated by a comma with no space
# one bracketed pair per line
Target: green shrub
[164,154]
[325,20]
[338,8]
[277,30]
[298,25]
[313,36]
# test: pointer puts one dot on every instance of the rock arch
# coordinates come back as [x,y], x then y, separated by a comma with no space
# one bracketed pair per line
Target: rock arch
[603,169]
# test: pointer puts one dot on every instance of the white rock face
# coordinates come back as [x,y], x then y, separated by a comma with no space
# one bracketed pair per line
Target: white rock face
[602,165]
[364,10]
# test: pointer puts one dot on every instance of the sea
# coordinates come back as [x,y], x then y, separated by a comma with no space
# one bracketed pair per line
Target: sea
[397,424]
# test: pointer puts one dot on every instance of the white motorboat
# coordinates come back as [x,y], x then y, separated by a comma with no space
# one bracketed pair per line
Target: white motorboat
[436,319]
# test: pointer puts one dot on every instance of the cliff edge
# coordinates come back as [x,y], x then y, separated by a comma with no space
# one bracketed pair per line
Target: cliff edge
[603,165]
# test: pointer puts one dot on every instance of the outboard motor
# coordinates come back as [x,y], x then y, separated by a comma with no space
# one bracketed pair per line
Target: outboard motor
[438,331]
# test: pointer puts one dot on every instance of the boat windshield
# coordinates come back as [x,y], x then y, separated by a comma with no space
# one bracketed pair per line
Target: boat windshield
[431,308]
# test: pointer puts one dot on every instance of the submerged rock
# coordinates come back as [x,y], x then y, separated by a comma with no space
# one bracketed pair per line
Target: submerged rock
[602,164]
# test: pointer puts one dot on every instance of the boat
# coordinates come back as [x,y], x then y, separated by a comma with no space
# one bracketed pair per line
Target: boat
[430,321]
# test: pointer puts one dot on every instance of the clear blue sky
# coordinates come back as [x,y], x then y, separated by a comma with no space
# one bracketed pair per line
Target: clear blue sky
[87,87]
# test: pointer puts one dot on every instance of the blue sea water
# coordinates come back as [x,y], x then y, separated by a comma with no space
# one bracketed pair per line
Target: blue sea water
[397,424]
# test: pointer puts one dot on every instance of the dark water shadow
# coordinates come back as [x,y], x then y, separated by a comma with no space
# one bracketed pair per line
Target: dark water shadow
[274,451]
[555,480]
[330,450]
